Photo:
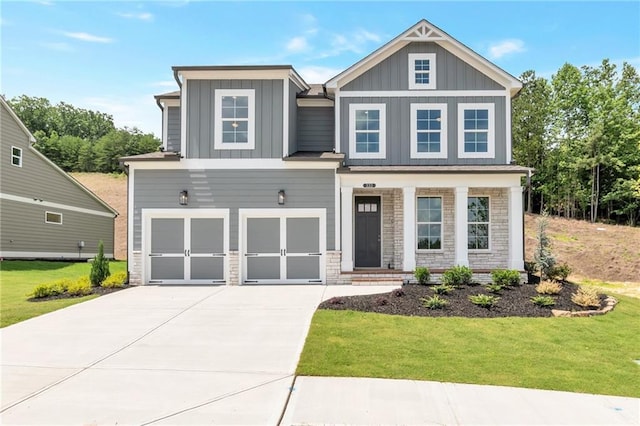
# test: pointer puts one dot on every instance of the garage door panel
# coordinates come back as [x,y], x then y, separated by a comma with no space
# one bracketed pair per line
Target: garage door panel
[207,235]
[303,268]
[303,234]
[167,235]
[207,268]
[167,268]
[263,235]
[263,268]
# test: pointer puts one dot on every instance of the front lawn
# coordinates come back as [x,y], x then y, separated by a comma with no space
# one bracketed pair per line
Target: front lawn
[591,355]
[18,278]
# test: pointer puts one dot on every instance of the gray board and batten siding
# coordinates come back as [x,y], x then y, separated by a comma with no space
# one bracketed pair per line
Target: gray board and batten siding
[452,73]
[23,229]
[398,126]
[316,129]
[201,113]
[234,189]
[173,129]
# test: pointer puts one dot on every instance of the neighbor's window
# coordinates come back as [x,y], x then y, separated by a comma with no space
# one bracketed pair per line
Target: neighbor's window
[53,217]
[428,131]
[235,125]
[478,223]
[16,156]
[429,221]
[367,130]
[476,131]
[422,71]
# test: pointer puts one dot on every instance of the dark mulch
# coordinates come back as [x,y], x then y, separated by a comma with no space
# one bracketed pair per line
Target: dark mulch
[514,302]
[96,290]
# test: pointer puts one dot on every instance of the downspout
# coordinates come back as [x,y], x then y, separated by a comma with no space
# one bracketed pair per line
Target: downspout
[176,77]
[125,166]
[159,104]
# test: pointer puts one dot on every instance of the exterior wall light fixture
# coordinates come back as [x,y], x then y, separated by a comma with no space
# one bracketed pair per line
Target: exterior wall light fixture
[184,198]
[281,197]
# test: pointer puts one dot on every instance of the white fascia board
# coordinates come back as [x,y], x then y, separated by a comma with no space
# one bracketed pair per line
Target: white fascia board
[183,119]
[314,102]
[42,203]
[170,102]
[298,80]
[279,74]
[420,93]
[130,214]
[231,164]
[423,180]
[285,118]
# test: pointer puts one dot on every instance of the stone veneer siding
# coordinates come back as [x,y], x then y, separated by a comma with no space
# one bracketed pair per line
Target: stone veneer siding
[135,269]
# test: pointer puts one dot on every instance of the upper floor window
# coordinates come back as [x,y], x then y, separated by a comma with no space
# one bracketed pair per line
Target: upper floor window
[16,156]
[478,223]
[53,217]
[428,131]
[422,70]
[429,221]
[476,131]
[367,131]
[234,119]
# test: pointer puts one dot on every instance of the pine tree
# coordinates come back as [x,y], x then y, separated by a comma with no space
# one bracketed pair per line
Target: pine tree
[99,267]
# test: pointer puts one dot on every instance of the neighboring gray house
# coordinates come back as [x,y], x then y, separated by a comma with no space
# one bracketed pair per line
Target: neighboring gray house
[44,212]
[403,159]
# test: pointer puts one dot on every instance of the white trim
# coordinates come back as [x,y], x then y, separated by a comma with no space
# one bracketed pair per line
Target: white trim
[491,138]
[314,102]
[516,238]
[17,120]
[444,141]
[233,164]
[409,219]
[166,104]
[148,214]
[337,242]
[336,110]
[285,117]
[39,202]
[382,131]
[420,93]
[347,216]
[183,118]
[130,217]
[441,223]
[461,234]
[46,218]
[431,57]
[488,249]
[50,255]
[430,180]
[251,119]
[245,74]
[508,135]
[19,157]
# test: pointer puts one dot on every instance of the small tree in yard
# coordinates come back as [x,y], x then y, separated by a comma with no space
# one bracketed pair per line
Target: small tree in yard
[99,267]
[544,259]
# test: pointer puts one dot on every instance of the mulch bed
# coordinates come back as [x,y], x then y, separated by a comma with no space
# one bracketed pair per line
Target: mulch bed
[96,290]
[514,302]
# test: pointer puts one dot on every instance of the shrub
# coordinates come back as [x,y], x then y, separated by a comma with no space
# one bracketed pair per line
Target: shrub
[494,287]
[560,272]
[543,301]
[544,259]
[51,289]
[458,275]
[548,287]
[99,267]
[484,300]
[443,289]
[381,301]
[116,280]
[398,292]
[422,274]
[587,297]
[81,287]
[434,302]
[505,277]
[530,267]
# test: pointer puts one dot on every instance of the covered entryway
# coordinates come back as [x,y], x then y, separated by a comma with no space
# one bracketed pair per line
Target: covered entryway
[185,247]
[368,232]
[283,246]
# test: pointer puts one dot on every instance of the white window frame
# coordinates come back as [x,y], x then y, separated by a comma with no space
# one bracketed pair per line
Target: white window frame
[251,140]
[488,223]
[491,131]
[441,223]
[431,57]
[443,130]
[19,157]
[46,218]
[382,109]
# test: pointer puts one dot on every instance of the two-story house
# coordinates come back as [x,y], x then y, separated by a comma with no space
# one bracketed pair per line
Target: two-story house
[401,160]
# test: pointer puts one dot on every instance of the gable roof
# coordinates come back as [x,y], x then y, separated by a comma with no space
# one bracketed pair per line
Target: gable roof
[32,140]
[421,32]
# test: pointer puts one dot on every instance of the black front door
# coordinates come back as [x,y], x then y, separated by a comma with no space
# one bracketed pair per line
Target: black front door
[367,250]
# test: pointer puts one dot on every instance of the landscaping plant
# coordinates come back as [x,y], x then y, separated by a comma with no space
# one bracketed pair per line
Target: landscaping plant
[505,277]
[457,276]
[484,300]
[560,272]
[494,287]
[543,301]
[80,287]
[549,287]
[116,280]
[544,259]
[422,274]
[99,267]
[434,302]
[587,297]
[443,289]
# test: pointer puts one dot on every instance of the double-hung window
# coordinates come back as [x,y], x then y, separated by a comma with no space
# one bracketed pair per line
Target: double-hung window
[422,71]
[367,131]
[16,156]
[478,223]
[429,223]
[476,131]
[428,131]
[234,119]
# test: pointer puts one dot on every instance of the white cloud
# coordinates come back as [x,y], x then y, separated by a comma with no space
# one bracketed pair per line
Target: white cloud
[88,37]
[297,44]
[316,74]
[505,47]
[142,16]
[45,3]
[59,46]
[355,42]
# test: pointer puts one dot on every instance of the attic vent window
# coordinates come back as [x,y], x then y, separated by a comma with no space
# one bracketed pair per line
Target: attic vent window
[422,71]
[53,217]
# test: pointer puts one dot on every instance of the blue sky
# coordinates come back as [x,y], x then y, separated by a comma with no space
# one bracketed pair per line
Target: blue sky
[114,56]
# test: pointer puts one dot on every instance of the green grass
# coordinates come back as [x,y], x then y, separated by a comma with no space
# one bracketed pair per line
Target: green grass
[18,278]
[590,355]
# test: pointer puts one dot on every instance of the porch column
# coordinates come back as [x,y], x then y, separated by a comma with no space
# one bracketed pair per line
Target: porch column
[346,194]
[409,219]
[516,251]
[462,238]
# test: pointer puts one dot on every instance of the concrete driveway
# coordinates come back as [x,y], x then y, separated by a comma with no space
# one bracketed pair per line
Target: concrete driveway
[161,355]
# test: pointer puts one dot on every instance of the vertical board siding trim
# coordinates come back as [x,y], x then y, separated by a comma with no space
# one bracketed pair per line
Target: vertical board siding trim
[165,127]
[507,107]
[130,219]
[285,117]
[337,121]
[337,242]
[183,118]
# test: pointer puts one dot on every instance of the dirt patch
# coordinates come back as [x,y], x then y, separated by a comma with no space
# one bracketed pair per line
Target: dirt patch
[514,302]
